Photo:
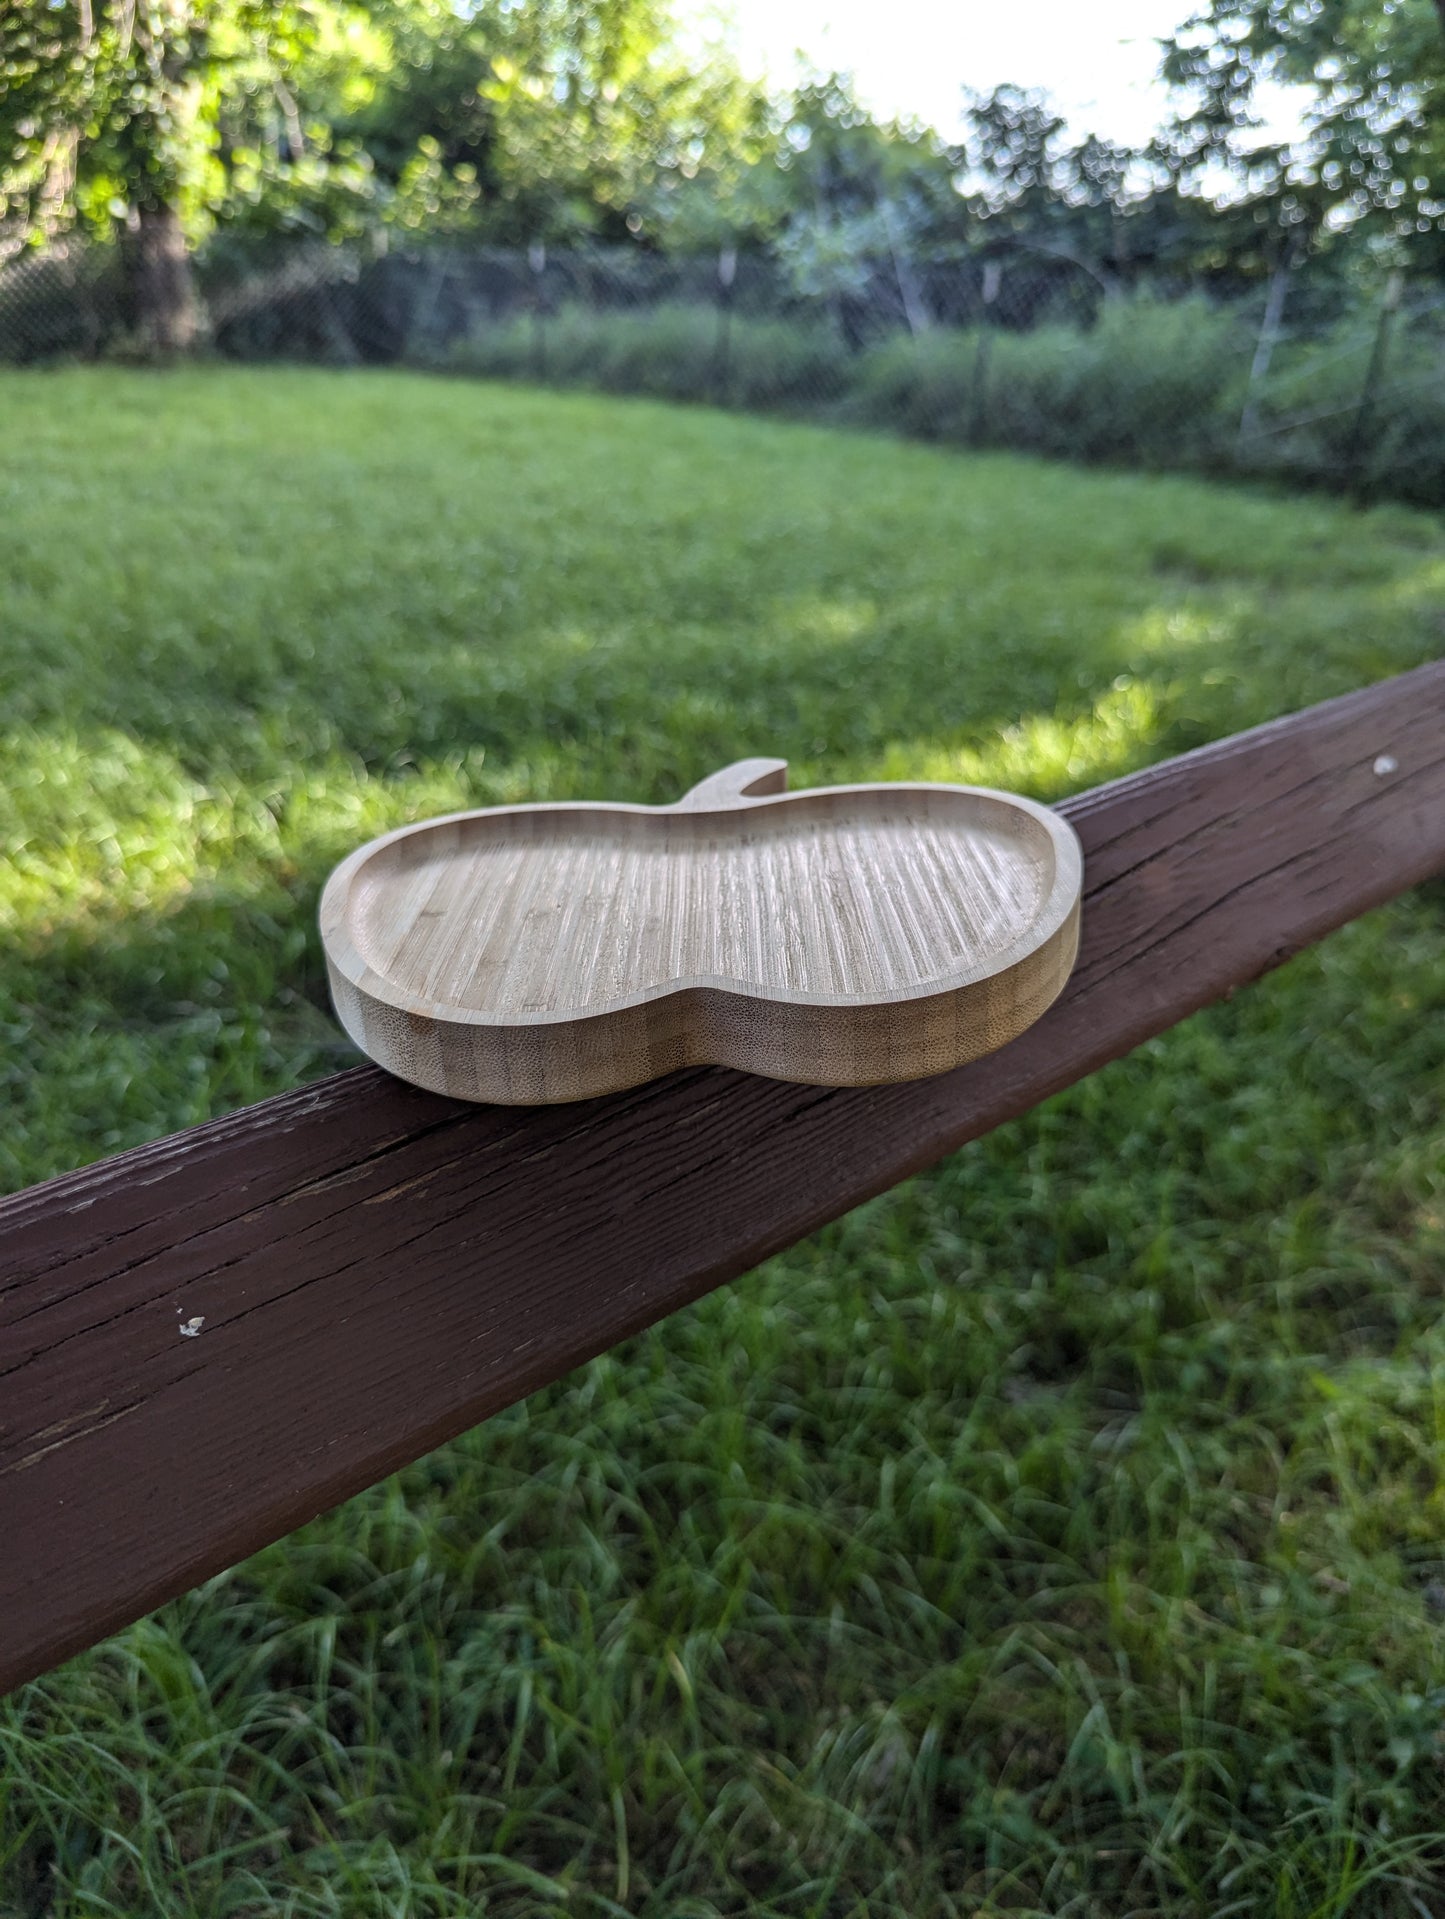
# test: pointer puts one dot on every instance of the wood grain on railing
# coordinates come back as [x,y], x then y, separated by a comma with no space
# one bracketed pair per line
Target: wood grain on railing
[365,1269]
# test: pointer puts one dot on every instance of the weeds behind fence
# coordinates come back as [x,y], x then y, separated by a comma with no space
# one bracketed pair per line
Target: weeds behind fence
[1015,349]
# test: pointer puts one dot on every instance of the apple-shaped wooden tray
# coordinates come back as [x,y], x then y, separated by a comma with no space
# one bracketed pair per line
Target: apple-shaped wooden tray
[843,936]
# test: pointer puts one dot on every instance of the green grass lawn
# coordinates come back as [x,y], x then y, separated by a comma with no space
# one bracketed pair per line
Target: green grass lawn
[1059,1534]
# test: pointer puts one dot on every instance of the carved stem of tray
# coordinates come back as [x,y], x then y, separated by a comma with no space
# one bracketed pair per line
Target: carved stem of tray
[743,780]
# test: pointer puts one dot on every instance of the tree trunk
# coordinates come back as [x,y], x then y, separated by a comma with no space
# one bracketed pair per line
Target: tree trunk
[915,307]
[160,293]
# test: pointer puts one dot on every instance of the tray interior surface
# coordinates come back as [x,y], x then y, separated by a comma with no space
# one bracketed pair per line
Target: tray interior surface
[552,911]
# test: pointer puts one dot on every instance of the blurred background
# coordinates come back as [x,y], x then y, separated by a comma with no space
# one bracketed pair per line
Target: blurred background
[408,406]
[1211,242]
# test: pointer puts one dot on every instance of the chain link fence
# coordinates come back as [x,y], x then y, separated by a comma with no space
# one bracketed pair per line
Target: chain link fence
[1010,346]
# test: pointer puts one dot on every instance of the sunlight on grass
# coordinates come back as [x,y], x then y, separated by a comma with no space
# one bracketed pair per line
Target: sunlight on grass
[96,823]
[1045,754]
[96,830]
[1423,588]
[796,624]
[1171,630]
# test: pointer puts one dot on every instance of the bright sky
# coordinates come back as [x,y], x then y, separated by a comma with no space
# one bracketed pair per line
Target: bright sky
[913,57]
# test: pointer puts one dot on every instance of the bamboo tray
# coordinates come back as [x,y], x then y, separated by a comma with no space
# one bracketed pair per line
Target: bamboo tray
[843,936]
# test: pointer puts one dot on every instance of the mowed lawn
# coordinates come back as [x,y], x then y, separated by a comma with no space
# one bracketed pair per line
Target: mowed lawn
[1063,1533]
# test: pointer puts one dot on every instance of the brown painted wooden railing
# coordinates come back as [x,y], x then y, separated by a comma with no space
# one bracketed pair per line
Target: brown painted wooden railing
[377,1269]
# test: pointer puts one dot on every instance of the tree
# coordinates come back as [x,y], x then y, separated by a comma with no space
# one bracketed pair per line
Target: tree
[516,120]
[860,197]
[110,116]
[1012,147]
[1372,157]
[566,117]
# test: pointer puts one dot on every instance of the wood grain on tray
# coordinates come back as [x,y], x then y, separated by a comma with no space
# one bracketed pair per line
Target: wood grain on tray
[843,936]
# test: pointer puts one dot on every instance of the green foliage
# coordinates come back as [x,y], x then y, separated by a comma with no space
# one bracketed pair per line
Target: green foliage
[540,120]
[674,352]
[111,110]
[1373,160]
[1153,383]
[1309,416]
[1150,382]
[855,191]
[557,118]
[594,105]
[1058,1535]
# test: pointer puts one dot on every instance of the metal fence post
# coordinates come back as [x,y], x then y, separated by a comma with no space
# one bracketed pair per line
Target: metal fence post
[1270,329]
[1358,453]
[537,261]
[727,273]
[992,283]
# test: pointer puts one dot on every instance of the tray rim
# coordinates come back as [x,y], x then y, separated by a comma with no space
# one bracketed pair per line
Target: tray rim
[1055,912]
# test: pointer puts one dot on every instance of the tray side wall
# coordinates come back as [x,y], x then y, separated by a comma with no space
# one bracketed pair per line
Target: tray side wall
[556,1061]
